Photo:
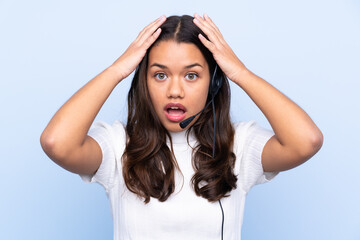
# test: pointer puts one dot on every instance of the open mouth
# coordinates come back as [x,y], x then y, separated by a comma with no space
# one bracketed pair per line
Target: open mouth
[175,112]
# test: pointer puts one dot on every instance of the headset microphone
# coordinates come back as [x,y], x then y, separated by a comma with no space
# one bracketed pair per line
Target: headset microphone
[187,121]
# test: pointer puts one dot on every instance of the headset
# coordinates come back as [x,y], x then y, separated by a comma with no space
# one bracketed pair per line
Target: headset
[215,85]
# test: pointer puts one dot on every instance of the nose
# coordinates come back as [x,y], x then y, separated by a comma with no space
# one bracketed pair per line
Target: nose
[175,89]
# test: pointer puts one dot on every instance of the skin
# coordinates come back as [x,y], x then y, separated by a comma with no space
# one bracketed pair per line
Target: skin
[173,82]
[65,138]
[296,138]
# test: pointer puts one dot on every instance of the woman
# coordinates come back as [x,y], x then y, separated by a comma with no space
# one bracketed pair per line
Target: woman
[167,181]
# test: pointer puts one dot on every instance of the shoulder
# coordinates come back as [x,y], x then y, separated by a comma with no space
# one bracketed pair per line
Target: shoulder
[243,126]
[117,125]
[246,131]
[109,136]
[116,129]
[249,139]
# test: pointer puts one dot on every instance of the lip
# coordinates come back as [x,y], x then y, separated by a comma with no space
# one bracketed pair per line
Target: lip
[169,105]
[172,117]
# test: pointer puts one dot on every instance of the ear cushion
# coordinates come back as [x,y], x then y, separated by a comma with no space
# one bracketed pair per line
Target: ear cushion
[216,81]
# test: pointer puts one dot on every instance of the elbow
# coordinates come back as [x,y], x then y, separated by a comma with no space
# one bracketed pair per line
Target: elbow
[51,147]
[317,141]
[313,145]
[46,142]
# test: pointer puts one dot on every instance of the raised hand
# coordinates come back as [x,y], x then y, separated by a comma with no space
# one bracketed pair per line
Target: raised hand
[229,63]
[133,55]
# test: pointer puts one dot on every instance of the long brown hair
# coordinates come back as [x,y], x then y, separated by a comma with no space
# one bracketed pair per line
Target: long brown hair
[148,163]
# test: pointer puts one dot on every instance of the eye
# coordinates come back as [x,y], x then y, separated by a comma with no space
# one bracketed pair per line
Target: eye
[160,76]
[192,76]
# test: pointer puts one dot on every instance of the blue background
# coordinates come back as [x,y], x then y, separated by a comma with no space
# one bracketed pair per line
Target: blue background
[309,50]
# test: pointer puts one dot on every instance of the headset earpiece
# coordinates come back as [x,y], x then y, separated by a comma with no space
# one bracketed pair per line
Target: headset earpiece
[216,81]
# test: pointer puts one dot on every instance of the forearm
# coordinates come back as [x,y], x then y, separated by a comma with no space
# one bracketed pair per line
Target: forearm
[292,126]
[70,124]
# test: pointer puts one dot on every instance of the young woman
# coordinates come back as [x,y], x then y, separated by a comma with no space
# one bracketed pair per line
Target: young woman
[167,181]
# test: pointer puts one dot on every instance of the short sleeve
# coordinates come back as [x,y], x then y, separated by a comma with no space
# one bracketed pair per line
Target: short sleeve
[111,139]
[251,139]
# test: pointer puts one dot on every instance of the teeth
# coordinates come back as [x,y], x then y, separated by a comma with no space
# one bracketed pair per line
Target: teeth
[174,107]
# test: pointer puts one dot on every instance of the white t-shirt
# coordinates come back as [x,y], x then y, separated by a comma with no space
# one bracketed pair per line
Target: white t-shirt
[183,215]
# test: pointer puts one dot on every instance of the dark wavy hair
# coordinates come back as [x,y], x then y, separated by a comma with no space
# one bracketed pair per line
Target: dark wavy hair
[148,163]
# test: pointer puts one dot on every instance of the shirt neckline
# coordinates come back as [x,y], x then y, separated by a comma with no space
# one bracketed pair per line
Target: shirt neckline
[180,137]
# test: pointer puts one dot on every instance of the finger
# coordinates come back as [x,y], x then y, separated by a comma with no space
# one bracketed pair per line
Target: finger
[209,45]
[204,21]
[145,28]
[205,25]
[208,19]
[150,29]
[150,34]
[207,22]
[152,23]
[149,41]
[206,28]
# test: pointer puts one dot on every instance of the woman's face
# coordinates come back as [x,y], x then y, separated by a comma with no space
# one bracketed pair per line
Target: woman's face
[178,82]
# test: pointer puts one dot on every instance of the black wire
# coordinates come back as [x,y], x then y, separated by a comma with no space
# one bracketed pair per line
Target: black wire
[213,155]
[213,108]
[222,224]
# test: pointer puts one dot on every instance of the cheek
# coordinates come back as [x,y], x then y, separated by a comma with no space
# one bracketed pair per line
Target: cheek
[197,98]
[154,96]
[202,91]
[150,88]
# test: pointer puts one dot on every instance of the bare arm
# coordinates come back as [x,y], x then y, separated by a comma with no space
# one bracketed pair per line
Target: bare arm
[66,132]
[297,138]
[65,138]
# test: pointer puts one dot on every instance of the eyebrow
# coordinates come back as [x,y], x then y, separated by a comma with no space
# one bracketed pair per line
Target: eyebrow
[165,67]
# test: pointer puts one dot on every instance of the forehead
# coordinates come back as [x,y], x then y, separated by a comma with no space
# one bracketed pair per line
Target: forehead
[174,53]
